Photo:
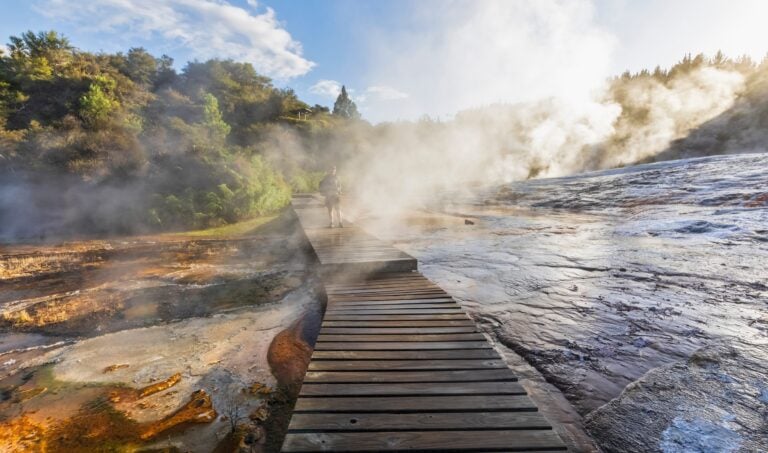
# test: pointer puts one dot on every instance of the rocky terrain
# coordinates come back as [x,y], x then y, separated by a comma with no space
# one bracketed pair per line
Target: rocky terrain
[169,342]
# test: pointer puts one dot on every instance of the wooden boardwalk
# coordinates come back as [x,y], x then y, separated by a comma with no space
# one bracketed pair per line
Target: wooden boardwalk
[349,250]
[398,365]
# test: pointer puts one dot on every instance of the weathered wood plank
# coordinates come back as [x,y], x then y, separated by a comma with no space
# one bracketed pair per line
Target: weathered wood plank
[406,306]
[437,300]
[454,354]
[395,345]
[385,323]
[416,422]
[396,389]
[393,290]
[402,337]
[395,330]
[425,284]
[394,375]
[384,298]
[403,404]
[397,311]
[501,440]
[395,317]
[405,365]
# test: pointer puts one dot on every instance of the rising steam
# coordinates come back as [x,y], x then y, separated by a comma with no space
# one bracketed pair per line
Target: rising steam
[632,120]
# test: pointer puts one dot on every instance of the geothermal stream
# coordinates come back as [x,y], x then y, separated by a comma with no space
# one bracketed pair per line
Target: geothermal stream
[640,293]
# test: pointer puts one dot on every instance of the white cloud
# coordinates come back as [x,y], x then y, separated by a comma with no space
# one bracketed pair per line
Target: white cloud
[385,93]
[326,88]
[454,55]
[206,28]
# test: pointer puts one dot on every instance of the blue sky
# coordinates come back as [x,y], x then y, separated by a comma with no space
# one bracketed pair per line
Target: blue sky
[402,59]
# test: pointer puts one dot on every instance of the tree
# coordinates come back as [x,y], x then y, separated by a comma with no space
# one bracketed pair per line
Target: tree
[317,108]
[96,104]
[141,67]
[38,56]
[212,119]
[344,107]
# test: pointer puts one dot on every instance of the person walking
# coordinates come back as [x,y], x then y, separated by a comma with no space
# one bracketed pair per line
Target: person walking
[330,187]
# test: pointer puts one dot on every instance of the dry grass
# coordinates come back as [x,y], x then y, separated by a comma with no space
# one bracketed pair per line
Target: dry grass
[233,230]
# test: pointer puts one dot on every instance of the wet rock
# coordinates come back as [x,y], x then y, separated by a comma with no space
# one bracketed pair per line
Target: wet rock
[20,434]
[257,388]
[697,434]
[198,410]
[27,394]
[253,437]
[289,355]
[259,414]
[114,397]
[160,386]
[710,402]
[115,367]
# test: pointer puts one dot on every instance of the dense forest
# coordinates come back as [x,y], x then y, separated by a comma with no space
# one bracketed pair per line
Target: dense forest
[99,143]
[188,149]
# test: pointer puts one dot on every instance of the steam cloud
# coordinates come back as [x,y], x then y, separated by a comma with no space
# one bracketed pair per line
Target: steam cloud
[407,162]
[538,76]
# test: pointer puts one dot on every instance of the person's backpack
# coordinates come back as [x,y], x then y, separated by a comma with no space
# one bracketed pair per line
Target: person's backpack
[326,186]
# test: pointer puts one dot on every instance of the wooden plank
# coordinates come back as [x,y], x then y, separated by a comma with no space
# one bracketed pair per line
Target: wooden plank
[382,279]
[425,284]
[456,354]
[395,345]
[358,257]
[406,306]
[501,440]
[356,251]
[395,330]
[398,317]
[385,298]
[405,365]
[393,290]
[418,389]
[370,303]
[401,287]
[385,323]
[395,311]
[405,404]
[416,422]
[381,376]
[362,260]
[403,337]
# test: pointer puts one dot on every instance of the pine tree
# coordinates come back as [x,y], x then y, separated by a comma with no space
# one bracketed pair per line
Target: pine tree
[344,106]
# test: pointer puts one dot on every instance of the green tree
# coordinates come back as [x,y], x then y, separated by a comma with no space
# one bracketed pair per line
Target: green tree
[140,66]
[344,106]
[212,119]
[37,56]
[96,106]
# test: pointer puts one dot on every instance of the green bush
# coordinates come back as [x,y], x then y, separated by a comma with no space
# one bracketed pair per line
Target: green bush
[254,188]
[96,106]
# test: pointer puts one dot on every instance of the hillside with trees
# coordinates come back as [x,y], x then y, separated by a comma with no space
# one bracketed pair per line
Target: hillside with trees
[186,149]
